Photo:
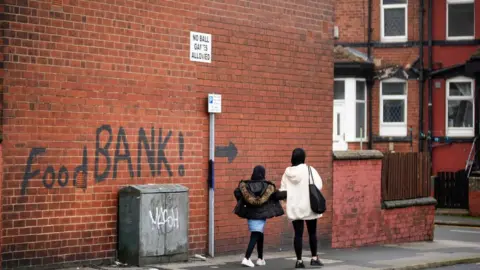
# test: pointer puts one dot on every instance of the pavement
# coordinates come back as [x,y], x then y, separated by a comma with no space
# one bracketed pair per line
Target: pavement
[457,220]
[453,245]
[473,266]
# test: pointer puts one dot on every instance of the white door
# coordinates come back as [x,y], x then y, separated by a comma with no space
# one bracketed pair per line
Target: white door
[339,143]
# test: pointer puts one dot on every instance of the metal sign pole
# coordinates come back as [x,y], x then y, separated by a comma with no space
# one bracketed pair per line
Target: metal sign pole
[211,190]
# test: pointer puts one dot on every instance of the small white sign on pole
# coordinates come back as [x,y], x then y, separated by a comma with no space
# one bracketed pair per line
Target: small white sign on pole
[200,47]
[214,103]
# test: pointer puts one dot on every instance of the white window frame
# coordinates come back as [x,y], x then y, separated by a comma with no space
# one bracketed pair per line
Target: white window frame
[458,131]
[382,22]
[350,101]
[448,2]
[397,129]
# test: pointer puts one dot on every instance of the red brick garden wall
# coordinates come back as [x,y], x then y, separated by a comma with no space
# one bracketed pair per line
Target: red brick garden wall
[358,217]
[474,196]
[1,186]
[90,85]
[474,203]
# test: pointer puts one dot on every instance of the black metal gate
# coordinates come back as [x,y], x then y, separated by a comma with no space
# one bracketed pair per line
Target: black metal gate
[451,190]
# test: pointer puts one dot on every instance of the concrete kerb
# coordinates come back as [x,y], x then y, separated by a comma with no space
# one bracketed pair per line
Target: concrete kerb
[457,224]
[467,260]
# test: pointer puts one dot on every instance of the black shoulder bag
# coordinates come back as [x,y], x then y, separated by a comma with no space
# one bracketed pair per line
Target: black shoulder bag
[317,201]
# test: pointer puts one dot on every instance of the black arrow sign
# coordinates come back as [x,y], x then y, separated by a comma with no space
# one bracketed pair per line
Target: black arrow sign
[229,151]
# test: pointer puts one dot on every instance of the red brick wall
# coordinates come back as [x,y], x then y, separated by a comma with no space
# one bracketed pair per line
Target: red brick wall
[351,16]
[358,218]
[1,198]
[450,157]
[474,203]
[77,71]
[412,120]
[351,19]
[2,76]
[474,196]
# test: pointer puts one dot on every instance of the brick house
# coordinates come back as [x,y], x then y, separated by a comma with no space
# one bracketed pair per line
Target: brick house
[383,101]
[455,117]
[454,90]
[411,53]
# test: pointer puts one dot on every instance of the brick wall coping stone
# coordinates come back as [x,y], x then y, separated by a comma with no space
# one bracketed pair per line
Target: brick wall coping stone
[474,183]
[408,203]
[357,155]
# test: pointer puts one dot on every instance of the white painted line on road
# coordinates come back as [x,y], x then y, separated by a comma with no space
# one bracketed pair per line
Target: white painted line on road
[464,231]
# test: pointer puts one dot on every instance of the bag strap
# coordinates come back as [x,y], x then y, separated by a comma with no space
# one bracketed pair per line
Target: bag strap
[310,174]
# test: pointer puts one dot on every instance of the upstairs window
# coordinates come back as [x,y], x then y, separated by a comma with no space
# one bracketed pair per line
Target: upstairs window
[460,19]
[460,107]
[394,20]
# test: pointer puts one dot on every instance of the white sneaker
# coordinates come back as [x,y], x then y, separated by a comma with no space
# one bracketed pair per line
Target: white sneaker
[261,262]
[247,262]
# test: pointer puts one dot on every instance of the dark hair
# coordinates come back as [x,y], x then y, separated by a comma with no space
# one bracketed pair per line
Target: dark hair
[258,173]
[298,156]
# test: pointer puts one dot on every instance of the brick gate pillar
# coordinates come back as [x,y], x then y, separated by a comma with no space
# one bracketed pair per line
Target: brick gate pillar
[1,202]
[474,196]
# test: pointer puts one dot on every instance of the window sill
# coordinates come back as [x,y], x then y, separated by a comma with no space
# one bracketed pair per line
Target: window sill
[393,39]
[409,203]
[460,38]
[460,133]
[357,141]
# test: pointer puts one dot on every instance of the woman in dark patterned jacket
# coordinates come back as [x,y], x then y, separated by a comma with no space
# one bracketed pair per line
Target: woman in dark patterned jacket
[257,201]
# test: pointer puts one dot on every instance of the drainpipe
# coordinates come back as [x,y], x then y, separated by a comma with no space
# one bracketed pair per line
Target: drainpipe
[369,34]
[421,80]
[370,81]
[476,115]
[430,82]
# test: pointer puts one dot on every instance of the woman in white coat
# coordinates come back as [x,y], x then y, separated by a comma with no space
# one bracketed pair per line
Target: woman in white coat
[295,182]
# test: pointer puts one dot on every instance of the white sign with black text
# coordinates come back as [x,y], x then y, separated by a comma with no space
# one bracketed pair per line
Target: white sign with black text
[200,47]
